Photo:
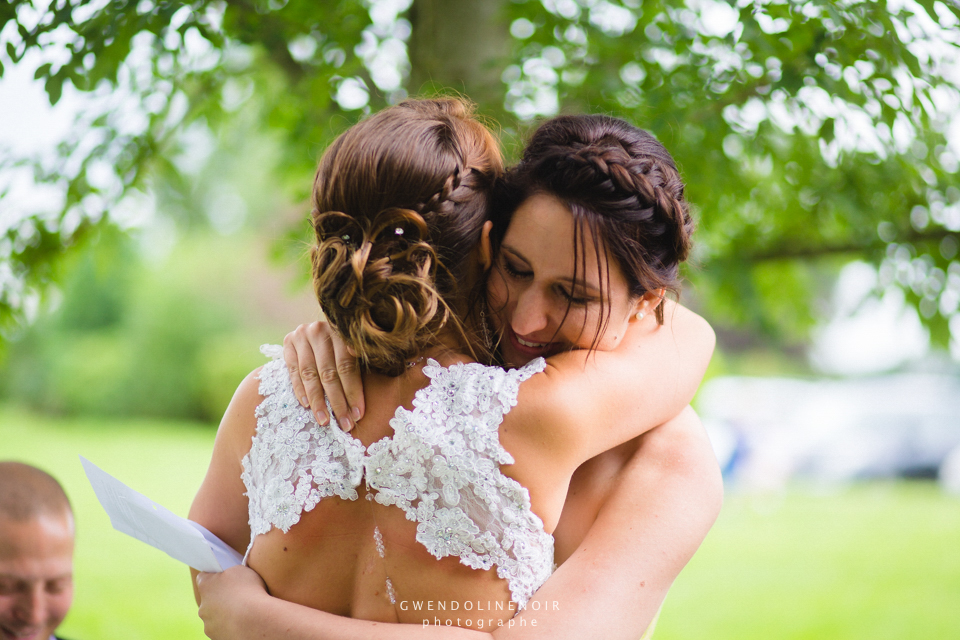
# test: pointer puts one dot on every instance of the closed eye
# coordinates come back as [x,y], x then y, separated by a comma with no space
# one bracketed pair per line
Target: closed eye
[513,270]
[59,586]
[572,299]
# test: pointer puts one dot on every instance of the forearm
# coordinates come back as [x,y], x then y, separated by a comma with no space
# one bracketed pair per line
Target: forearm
[263,617]
[666,500]
[648,379]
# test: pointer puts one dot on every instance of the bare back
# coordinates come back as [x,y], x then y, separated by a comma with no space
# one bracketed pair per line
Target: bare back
[356,554]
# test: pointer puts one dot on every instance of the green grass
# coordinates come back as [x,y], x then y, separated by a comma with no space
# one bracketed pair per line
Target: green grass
[876,561]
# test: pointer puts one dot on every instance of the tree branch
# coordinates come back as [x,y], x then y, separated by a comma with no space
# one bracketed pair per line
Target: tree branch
[798,252]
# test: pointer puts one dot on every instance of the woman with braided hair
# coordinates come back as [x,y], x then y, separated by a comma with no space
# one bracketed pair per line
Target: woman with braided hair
[611,185]
[560,286]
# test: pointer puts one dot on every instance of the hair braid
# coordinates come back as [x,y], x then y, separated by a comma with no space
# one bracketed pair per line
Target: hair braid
[621,182]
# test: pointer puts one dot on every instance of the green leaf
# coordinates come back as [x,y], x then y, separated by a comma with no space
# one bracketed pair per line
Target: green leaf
[54,87]
[42,71]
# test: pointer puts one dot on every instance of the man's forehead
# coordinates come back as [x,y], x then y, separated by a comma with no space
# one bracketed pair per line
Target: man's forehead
[31,567]
[38,538]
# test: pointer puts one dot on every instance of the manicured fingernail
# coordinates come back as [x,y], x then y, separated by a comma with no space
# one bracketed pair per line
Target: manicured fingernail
[356,413]
[345,424]
[321,417]
[305,402]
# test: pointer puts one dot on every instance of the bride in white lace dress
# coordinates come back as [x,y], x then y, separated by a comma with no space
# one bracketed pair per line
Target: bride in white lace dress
[479,482]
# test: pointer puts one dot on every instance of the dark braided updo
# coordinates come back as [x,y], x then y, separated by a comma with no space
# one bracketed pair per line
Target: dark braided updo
[617,180]
[399,203]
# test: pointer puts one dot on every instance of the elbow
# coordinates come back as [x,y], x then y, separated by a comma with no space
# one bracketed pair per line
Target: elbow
[707,342]
[703,472]
[689,461]
[713,493]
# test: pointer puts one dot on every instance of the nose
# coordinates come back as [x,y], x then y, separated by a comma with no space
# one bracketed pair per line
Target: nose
[530,314]
[32,606]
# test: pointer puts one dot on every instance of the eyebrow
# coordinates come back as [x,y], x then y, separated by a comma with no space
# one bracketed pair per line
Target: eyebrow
[590,287]
[20,578]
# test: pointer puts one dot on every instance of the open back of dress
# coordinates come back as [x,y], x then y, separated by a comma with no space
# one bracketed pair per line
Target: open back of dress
[420,519]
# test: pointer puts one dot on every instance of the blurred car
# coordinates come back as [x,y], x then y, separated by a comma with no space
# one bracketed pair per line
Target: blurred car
[767,431]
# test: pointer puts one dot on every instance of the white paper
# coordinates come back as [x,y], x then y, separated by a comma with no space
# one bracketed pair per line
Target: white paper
[140,517]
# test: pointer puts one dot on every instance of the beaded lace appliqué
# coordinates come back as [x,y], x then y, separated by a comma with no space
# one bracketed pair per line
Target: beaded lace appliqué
[441,467]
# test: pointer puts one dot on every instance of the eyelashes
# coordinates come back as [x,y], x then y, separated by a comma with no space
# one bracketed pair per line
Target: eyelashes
[512,271]
[518,274]
[572,299]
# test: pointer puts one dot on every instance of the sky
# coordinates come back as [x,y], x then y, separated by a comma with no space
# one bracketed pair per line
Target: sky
[29,125]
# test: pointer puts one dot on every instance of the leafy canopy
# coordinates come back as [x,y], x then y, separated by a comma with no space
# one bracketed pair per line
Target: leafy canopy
[806,130]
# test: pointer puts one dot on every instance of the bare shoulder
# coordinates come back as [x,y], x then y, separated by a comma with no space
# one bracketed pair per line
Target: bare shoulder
[545,402]
[246,398]
[239,422]
[688,327]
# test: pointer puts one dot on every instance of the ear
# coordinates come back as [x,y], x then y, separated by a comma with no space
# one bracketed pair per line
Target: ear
[646,304]
[486,250]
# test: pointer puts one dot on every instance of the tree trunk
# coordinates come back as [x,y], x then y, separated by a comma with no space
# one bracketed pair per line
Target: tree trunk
[461,45]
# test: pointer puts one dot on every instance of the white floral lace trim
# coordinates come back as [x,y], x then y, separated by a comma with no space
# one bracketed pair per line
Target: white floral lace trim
[441,467]
[293,462]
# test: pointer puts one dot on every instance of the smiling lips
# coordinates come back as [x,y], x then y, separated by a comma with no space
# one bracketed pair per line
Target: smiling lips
[26,634]
[535,345]
[532,349]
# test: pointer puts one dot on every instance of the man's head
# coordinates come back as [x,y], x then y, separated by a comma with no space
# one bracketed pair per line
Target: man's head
[36,553]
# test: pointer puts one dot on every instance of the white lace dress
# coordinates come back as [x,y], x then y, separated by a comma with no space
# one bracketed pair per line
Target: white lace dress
[441,466]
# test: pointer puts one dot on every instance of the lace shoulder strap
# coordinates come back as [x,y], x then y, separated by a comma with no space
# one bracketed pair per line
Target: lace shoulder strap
[293,462]
[483,392]
[442,467]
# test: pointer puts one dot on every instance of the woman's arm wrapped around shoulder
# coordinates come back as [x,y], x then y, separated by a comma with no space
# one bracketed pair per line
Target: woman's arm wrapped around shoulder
[587,402]
[653,374]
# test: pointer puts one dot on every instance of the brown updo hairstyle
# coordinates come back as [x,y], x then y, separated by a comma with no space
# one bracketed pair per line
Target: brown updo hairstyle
[399,203]
[620,183]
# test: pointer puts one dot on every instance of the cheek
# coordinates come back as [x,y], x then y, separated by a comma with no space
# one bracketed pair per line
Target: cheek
[613,334]
[581,327]
[578,328]
[6,607]
[58,605]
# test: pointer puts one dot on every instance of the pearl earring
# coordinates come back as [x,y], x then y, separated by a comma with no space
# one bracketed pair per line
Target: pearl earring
[640,315]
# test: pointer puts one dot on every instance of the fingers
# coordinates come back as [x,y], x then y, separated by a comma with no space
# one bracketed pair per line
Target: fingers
[301,359]
[348,370]
[203,580]
[292,361]
[333,387]
[323,369]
